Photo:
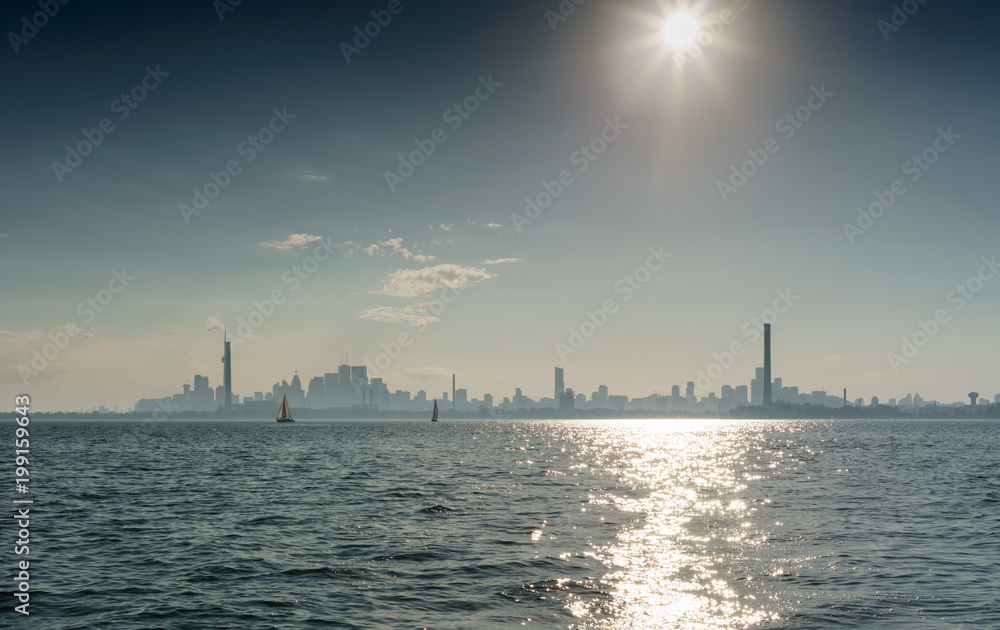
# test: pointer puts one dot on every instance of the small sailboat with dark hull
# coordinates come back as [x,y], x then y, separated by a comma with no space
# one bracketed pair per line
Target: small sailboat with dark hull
[434,418]
[285,413]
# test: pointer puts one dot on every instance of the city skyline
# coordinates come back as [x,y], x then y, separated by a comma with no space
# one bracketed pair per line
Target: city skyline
[497,207]
[351,387]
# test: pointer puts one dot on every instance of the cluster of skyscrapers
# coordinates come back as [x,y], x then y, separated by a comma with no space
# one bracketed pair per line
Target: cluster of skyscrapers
[350,387]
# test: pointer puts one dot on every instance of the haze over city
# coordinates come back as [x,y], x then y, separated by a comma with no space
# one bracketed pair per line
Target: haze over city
[495,182]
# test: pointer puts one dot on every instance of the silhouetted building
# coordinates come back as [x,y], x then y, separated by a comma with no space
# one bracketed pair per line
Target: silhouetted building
[202,397]
[296,395]
[520,400]
[331,387]
[359,383]
[757,387]
[742,397]
[317,393]
[379,395]
[345,391]
[566,400]
[560,386]
[461,399]
[767,365]
[728,396]
[227,372]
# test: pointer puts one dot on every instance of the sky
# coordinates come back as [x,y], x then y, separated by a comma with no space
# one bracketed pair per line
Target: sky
[355,178]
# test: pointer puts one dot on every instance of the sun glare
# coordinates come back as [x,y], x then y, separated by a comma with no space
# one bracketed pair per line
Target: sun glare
[681,29]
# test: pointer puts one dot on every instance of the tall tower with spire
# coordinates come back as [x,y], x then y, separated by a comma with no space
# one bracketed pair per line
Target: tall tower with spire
[767,365]
[227,371]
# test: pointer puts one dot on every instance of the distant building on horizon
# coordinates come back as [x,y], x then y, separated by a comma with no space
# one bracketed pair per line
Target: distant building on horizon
[227,372]
[560,388]
[767,397]
[316,395]
[757,388]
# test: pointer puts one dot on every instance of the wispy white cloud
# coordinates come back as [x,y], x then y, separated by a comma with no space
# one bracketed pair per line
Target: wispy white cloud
[14,335]
[447,226]
[494,226]
[502,261]
[393,246]
[417,282]
[299,241]
[72,330]
[414,314]
[307,175]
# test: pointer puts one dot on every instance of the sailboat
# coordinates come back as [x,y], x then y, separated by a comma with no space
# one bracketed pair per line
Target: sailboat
[434,418]
[285,413]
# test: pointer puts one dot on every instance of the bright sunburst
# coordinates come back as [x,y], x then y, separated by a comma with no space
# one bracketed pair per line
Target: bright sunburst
[681,30]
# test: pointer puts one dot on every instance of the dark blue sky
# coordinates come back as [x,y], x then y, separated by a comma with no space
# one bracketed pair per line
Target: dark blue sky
[657,185]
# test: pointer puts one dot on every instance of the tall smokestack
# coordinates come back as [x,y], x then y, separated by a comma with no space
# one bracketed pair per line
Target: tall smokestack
[767,365]
[227,370]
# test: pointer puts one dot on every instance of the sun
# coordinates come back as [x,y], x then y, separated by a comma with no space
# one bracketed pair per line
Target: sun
[681,29]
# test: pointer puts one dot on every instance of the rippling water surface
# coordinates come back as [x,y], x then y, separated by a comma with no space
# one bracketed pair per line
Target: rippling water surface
[693,525]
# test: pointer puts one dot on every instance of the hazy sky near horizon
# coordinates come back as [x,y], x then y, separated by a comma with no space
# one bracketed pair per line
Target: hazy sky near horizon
[543,93]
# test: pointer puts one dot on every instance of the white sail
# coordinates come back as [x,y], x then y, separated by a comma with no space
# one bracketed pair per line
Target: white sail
[285,413]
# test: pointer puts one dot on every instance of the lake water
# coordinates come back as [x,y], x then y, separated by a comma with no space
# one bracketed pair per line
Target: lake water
[693,525]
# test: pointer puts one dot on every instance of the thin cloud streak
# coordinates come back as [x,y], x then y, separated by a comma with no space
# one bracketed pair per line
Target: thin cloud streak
[413,283]
[295,241]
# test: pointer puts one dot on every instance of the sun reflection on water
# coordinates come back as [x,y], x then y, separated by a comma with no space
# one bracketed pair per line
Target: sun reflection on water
[678,565]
